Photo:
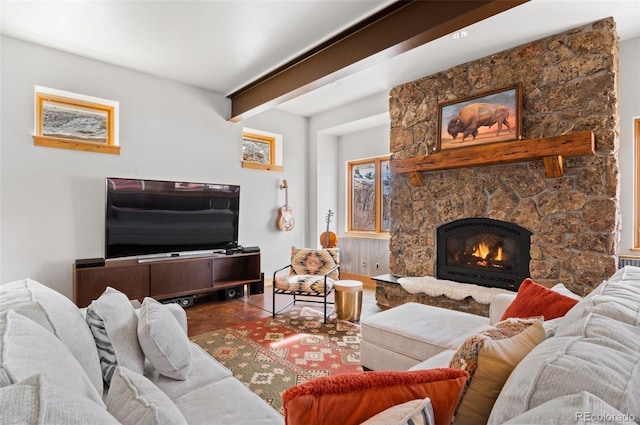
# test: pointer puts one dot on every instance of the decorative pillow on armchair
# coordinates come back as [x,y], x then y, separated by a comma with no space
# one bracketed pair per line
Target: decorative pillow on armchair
[489,357]
[352,398]
[314,261]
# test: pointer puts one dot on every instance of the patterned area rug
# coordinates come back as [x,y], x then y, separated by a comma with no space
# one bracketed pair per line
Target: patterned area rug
[270,355]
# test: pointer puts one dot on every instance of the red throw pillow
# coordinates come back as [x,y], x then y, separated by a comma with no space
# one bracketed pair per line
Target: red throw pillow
[534,299]
[352,398]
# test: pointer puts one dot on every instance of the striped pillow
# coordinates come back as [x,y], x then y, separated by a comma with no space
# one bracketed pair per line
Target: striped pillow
[114,325]
[414,412]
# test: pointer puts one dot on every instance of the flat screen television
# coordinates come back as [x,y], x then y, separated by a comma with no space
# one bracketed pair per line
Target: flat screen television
[154,217]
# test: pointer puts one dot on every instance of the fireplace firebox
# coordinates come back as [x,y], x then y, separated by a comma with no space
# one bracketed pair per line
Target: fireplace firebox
[483,251]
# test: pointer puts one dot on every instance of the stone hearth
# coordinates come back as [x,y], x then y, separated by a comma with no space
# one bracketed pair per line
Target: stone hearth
[569,85]
[390,294]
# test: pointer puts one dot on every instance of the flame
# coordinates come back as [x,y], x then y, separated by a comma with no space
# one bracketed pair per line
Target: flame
[481,251]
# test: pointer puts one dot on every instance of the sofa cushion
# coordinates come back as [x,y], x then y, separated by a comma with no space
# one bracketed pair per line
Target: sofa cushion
[228,401]
[204,370]
[413,412]
[27,348]
[489,357]
[442,359]
[311,284]
[617,299]
[134,400]
[58,314]
[583,409]
[163,341]
[596,353]
[36,400]
[351,398]
[534,299]
[114,325]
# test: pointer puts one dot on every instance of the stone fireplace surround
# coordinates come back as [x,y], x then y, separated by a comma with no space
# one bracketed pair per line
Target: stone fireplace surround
[569,85]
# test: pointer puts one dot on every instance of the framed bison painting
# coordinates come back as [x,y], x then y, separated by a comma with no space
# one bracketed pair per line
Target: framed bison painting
[490,117]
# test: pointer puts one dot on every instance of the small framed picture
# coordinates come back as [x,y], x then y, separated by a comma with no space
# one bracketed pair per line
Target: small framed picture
[490,117]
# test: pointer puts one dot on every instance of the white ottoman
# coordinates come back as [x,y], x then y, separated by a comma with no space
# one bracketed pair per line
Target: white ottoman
[403,336]
[348,299]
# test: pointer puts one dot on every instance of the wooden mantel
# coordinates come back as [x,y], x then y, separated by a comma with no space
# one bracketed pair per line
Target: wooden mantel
[549,149]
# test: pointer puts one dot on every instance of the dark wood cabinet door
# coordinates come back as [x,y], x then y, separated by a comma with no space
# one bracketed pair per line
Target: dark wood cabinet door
[176,278]
[91,282]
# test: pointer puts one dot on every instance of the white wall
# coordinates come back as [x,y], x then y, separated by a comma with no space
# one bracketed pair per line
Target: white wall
[324,129]
[327,184]
[629,107]
[52,200]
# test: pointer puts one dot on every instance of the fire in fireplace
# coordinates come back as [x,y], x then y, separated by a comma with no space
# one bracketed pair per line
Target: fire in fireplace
[483,251]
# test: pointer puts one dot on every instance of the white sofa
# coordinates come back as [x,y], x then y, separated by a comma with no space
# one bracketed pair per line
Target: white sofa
[587,370]
[50,369]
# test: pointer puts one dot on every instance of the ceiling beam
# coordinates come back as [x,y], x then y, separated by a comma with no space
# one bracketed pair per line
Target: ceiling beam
[399,27]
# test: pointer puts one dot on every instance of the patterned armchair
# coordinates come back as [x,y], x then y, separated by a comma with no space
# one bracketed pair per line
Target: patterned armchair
[312,274]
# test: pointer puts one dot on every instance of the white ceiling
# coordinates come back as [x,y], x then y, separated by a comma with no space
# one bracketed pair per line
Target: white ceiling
[223,45]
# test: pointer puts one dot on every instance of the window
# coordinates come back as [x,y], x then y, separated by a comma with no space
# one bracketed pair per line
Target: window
[636,240]
[369,204]
[260,150]
[74,121]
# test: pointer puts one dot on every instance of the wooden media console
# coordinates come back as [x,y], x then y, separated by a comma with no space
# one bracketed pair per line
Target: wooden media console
[166,278]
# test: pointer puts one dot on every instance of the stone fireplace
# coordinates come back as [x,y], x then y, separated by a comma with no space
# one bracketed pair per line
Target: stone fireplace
[569,85]
[483,251]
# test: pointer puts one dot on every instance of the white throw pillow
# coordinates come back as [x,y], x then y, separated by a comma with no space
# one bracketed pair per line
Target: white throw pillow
[163,340]
[413,412]
[561,289]
[26,349]
[114,323]
[36,400]
[135,400]
[59,315]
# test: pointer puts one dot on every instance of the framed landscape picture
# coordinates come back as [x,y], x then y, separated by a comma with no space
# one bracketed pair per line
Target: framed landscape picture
[490,117]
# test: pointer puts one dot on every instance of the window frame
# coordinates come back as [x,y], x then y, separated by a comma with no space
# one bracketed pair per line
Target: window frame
[377,231]
[636,210]
[78,103]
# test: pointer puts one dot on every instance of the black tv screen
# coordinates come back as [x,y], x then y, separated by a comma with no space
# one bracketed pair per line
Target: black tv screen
[145,217]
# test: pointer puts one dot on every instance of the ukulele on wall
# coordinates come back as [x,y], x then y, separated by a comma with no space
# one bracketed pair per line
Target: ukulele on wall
[285,215]
[328,239]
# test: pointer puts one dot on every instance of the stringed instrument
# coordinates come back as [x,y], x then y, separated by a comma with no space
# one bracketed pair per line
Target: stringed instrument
[285,214]
[328,239]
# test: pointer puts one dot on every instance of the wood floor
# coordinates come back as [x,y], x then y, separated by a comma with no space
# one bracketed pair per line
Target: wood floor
[213,312]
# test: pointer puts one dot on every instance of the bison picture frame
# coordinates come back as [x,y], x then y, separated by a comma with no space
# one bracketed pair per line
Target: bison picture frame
[490,117]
